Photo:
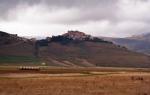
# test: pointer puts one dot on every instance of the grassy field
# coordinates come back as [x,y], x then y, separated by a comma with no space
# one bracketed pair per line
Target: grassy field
[60,70]
[18,59]
[75,81]
[116,84]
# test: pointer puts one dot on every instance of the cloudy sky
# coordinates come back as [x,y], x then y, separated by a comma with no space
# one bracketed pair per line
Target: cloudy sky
[113,18]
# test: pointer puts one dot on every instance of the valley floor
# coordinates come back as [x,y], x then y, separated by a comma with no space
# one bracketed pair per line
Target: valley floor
[92,83]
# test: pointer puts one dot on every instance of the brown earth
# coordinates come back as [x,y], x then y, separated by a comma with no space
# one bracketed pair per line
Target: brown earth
[129,83]
[90,54]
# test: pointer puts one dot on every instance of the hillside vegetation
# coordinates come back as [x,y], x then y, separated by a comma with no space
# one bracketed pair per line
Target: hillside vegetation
[73,49]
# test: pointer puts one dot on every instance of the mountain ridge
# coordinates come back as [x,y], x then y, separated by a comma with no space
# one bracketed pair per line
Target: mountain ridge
[143,37]
[137,43]
[77,49]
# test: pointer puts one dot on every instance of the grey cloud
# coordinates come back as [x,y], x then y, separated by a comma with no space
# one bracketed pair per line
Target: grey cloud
[82,12]
[89,9]
[79,3]
[6,5]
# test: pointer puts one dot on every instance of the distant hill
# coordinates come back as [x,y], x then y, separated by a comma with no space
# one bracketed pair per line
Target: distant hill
[138,43]
[11,44]
[78,49]
[14,49]
[143,37]
[6,38]
[73,49]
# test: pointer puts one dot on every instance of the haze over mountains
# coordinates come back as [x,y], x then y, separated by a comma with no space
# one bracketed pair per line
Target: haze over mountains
[138,43]
[144,37]
[72,49]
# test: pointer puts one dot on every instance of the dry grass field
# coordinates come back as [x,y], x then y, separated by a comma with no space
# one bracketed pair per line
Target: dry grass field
[92,83]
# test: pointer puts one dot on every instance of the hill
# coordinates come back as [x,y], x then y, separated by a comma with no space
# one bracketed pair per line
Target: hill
[14,49]
[75,49]
[138,43]
[78,49]
[6,39]
[143,37]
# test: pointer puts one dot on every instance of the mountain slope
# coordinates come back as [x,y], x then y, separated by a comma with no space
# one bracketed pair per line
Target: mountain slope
[84,50]
[97,54]
[14,49]
[6,38]
[75,49]
[143,37]
[11,44]
[138,43]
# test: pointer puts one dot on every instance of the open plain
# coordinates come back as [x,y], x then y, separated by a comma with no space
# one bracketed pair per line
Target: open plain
[81,81]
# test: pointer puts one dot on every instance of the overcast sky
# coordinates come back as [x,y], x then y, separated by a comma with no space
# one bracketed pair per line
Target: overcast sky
[113,18]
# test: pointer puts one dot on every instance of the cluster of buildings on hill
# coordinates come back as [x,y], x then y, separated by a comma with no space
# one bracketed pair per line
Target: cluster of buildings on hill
[77,35]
